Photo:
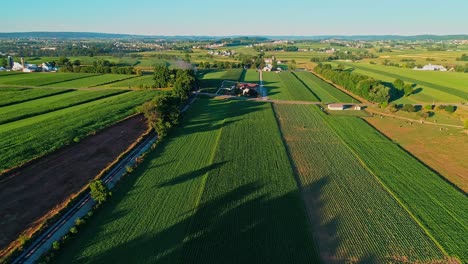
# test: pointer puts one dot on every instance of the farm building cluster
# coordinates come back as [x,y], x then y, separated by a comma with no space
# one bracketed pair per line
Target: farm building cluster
[26,67]
[238,88]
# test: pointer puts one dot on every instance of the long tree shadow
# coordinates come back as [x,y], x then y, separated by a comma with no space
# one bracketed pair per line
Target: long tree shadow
[227,229]
[191,175]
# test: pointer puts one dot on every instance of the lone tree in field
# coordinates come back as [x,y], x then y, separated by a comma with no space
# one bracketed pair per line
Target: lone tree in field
[99,191]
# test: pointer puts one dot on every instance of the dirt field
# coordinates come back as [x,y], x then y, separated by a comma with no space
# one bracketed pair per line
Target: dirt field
[441,148]
[35,191]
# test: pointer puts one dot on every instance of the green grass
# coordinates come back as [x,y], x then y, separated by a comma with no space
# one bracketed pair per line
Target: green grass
[285,86]
[436,204]
[41,79]
[199,199]
[93,81]
[324,91]
[10,96]
[211,80]
[354,219]
[448,87]
[146,81]
[51,103]
[250,76]
[33,137]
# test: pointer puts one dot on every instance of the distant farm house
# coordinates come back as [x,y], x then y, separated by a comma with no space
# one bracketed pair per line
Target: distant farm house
[338,107]
[431,67]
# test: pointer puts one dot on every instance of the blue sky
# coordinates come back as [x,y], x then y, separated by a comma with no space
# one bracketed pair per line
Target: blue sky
[238,17]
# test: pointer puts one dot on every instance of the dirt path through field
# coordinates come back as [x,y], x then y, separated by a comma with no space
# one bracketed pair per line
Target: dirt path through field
[31,193]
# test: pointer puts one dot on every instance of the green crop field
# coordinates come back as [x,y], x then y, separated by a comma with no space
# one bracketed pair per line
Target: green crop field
[9,96]
[285,86]
[446,87]
[441,209]
[210,80]
[93,81]
[201,198]
[323,90]
[33,137]
[41,79]
[354,219]
[146,81]
[51,103]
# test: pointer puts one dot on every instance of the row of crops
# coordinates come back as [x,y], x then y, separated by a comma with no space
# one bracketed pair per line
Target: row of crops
[221,190]
[61,80]
[436,204]
[58,120]
[285,86]
[353,218]
[52,103]
[9,96]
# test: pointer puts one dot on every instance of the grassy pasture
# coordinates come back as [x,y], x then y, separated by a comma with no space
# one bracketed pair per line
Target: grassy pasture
[250,76]
[323,90]
[436,204]
[51,103]
[210,80]
[138,82]
[447,87]
[198,199]
[285,86]
[449,160]
[33,137]
[353,218]
[9,96]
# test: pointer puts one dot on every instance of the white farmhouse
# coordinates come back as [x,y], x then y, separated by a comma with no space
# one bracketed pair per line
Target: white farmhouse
[431,67]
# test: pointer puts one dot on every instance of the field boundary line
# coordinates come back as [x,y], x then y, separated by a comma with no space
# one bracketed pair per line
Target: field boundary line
[385,188]
[203,183]
[412,120]
[416,158]
[355,97]
[310,89]
[298,182]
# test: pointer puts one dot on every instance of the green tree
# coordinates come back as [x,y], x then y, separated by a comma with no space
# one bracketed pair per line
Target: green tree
[409,108]
[408,88]
[63,60]
[399,84]
[162,76]
[3,62]
[99,191]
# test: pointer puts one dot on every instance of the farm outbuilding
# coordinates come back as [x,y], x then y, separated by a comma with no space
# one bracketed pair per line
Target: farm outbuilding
[336,107]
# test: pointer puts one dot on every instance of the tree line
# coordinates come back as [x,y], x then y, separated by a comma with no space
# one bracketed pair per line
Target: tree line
[99,66]
[364,86]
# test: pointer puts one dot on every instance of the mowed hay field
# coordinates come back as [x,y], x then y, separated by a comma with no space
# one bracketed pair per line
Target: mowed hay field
[324,91]
[211,80]
[201,197]
[354,219]
[285,86]
[29,138]
[445,87]
[435,203]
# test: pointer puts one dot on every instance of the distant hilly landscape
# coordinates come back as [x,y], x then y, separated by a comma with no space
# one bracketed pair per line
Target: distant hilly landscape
[97,35]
